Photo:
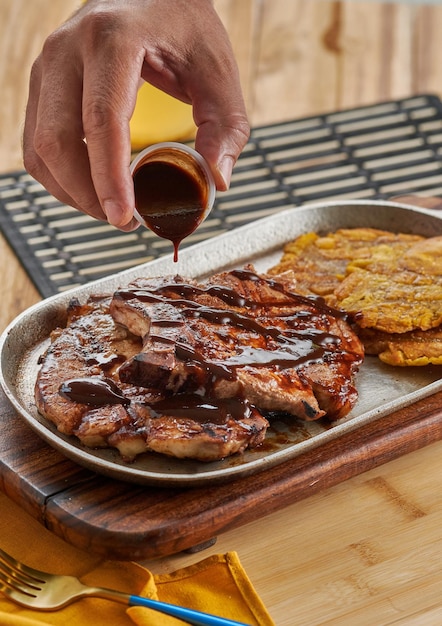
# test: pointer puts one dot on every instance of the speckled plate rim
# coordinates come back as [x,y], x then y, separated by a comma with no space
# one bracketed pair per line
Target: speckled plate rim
[259,243]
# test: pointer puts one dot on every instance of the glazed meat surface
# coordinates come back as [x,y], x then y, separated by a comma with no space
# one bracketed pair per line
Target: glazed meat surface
[191,370]
[78,388]
[240,335]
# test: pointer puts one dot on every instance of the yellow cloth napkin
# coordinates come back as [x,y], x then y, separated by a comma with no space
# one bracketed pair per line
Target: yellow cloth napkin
[218,584]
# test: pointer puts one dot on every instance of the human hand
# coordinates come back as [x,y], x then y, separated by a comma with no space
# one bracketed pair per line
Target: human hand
[83,90]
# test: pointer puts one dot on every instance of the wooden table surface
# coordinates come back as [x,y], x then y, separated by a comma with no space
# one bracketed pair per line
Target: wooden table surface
[367,551]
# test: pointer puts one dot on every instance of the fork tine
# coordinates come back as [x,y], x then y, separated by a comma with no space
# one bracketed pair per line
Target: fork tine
[12,586]
[19,568]
[16,578]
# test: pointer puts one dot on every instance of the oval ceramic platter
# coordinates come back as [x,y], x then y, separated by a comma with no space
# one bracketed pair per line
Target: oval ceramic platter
[382,389]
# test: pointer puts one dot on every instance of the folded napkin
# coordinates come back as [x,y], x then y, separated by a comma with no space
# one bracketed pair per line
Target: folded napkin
[218,584]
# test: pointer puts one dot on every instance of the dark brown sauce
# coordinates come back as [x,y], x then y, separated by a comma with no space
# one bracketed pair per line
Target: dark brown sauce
[297,346]
[202,409]
[319,302]
[99,392]
[293,347]
[253,357]
[170,200]
[229,295]
[95,391]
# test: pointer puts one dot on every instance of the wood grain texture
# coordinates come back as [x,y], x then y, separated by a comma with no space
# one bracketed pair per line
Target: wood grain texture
[123,521]
[362,551]
[314,56]
[23,28]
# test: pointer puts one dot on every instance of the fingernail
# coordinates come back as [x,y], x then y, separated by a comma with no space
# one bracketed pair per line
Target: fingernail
[225,167]
[113,212]
[133,225]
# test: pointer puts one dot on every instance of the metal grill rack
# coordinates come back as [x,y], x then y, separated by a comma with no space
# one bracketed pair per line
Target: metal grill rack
[377,151]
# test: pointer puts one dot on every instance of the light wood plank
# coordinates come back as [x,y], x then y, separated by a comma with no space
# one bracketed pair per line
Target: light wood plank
[428,69]
[23,28]
[295,75]
[318,56]
[240,19]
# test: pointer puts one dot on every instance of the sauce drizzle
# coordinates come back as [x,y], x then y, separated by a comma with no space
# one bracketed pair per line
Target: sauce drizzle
[170,200]
[299,343]
[95,391]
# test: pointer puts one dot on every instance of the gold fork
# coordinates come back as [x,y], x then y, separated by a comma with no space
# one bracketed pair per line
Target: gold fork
[41,591]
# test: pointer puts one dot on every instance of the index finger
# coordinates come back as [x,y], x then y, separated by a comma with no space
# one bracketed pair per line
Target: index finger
[109,95]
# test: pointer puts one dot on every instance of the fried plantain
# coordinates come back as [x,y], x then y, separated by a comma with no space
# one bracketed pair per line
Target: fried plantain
[389,283]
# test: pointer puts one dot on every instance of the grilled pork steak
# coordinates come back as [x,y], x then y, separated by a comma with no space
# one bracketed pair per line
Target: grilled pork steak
[79,390]
[189,370]
[240,335]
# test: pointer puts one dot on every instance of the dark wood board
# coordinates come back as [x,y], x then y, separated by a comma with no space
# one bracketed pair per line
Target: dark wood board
[125,521]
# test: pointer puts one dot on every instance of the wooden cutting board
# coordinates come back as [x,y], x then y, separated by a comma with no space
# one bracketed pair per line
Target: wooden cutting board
[124,521]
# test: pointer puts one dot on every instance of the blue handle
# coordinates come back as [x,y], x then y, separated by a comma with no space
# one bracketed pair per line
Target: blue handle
[197,618]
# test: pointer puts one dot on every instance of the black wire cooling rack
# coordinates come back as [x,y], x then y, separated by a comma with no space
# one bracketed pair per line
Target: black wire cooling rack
[378,151]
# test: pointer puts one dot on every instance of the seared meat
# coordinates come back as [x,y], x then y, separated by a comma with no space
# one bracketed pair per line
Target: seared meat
[79,390]
[240,335]
[188,370]
[190,426]
[87,353]
[92,346]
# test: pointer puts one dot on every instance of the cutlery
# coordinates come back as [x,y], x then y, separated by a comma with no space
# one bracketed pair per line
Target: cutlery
[41,591]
